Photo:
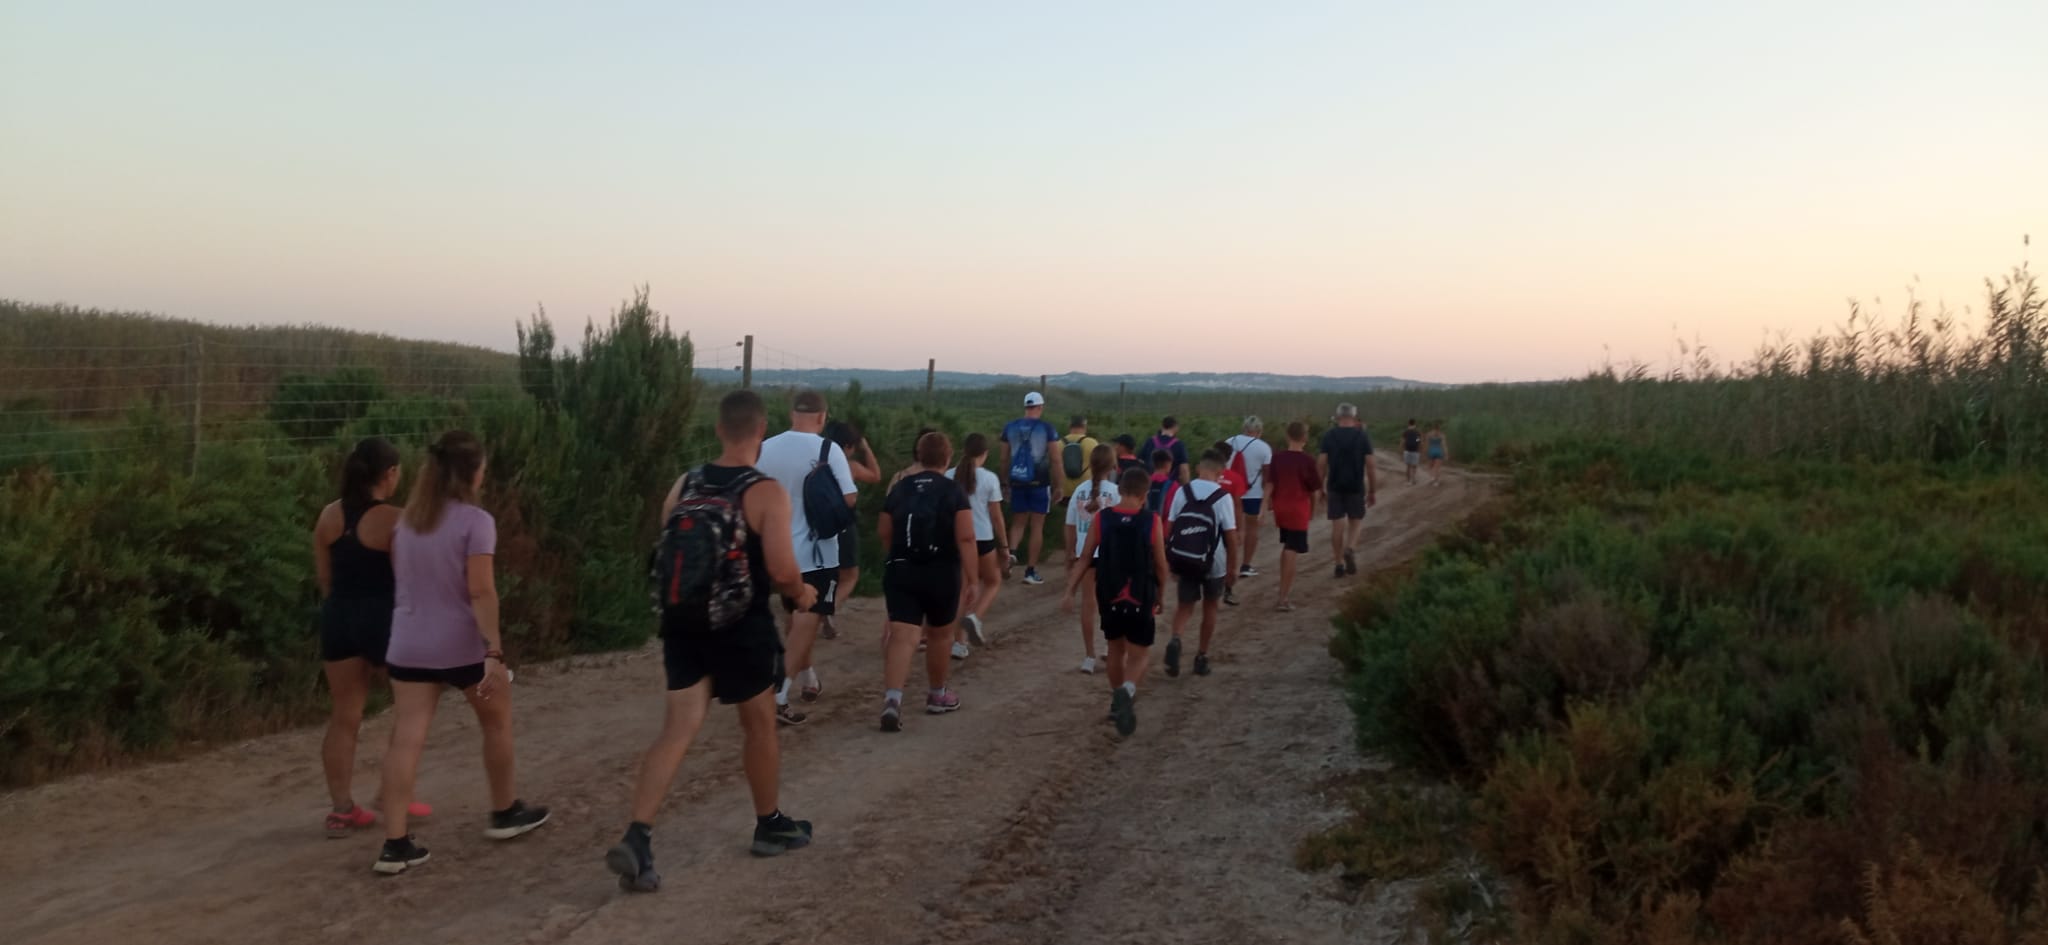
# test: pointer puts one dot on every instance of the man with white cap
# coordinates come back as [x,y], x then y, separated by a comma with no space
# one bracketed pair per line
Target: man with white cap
[1036,481]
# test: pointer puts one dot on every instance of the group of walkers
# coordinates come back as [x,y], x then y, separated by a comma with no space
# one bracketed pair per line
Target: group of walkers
[412,590]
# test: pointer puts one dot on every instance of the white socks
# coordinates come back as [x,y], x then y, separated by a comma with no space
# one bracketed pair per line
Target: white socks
[1130,687]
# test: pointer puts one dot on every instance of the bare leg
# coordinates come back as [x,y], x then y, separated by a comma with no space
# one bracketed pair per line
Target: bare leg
[1209,608]
[1337,540]
[413,712]
[348,681]
[903,639]
[937,661]
[1037,525]
[1136,660]
[681,720]
[1086,591]
[1017,521]
[1289,561]
[1251,538]
[763,752]
[1181,615]
[991,583]
[803,641]
[494,717]
[1117,671]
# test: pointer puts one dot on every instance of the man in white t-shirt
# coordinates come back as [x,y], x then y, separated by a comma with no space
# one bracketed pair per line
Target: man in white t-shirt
[788,458]
[1222,570]
[1250,450]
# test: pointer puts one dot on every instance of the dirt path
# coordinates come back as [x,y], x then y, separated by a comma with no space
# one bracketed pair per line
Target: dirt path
[1020,819]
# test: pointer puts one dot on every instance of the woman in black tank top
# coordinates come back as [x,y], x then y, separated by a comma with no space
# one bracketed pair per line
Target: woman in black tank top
[352,559]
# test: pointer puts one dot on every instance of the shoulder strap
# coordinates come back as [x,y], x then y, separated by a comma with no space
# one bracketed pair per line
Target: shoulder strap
[824,451]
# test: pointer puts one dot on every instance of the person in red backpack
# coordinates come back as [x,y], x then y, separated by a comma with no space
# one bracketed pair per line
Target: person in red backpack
[739,666]
[1249,454]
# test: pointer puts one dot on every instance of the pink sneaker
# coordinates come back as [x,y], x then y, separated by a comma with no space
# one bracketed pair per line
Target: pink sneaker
[341,825]
[417,809]
[941,702]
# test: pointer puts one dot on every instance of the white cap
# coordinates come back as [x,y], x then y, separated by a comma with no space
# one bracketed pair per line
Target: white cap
[1034,399]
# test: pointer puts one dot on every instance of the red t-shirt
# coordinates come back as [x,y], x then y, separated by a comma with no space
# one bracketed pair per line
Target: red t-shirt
[1291,484]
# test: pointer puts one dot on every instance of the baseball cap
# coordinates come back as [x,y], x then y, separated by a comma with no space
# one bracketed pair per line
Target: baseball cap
[1034,399]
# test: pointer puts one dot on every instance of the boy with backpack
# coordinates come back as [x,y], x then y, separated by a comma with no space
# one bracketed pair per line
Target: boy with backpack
[1126,549]
[725,546]
[1202,551]
[1127,454]
[1037,480]
[1168,439]
[928,527]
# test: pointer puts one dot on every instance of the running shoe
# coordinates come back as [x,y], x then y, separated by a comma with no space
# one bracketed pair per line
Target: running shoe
[1350,562]
[1121,709]
[417,809]
[788,715]
[515,820]
[960,651]
[1173,657]
[781,835]
[635,865]
[892,716]
[1031,576]
[1340,572]
[1230,596]
[1286,606]
[974,631]
[1088,666]
[1247,571]
[399,855]
[342,824]
[811,686]
[1201,664]
[942,702]
[828,629]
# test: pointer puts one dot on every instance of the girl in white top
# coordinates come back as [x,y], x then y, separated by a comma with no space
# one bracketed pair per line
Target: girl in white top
[1092,495]
[991,534]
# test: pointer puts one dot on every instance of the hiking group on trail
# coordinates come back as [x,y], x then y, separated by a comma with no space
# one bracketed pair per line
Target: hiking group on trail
[412,590]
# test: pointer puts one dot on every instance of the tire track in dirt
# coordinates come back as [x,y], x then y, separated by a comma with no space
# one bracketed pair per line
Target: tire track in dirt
[1020,819]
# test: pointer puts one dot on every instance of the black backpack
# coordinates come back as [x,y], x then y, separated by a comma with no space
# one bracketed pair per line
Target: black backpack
[825,508]
[924,519]
[703,580]
[1191,542]
[1125,583]
[1074,458]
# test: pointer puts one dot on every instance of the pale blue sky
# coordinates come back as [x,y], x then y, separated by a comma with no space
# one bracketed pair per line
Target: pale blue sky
[1450,191]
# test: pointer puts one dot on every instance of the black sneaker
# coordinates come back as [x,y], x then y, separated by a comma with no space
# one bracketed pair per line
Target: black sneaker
[1340,571]
[781,835]
[1122,709]
[399,855]
[634,862]
[1173,657]
[1350,563]
[1201,664]
[515,820]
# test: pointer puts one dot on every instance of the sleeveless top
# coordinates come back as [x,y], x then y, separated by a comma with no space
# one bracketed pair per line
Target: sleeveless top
[359,571]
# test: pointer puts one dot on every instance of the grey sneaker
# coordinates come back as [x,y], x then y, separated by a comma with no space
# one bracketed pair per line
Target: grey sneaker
[892,716]
[975,635]
[1201,664]
[1121,706]
[634,864]
[1173,657]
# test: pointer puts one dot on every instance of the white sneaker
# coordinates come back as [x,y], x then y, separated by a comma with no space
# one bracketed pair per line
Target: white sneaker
[960,651]
[974,631]
[1088,666]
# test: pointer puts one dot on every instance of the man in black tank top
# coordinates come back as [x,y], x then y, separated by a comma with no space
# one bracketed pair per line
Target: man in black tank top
[739,665]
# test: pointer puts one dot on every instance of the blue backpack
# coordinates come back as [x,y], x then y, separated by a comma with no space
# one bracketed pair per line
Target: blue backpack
[825,508]
[1028,464]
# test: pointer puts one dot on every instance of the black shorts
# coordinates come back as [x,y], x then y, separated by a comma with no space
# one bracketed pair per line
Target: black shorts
[742,662]
[849,548]
[459,677]
[1134,629]
[826,580]
[1199,589]
[1345,505]
[355,628]
[927,594]
[985,546]
[1295,540]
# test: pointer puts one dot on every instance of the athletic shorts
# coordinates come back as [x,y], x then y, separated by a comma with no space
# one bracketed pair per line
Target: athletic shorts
[1435,453]
[849,548]
[1193,590]
[1295,540]
[1134,629]
[826,580]
[458,677]
[985,547]
[922,594]
[354,628]
[1252,506]
[1411,457]
[1345,505]
[741,662]
[1036,500]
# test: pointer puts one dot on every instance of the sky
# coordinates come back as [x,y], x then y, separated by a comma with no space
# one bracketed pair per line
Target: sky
[1445,191]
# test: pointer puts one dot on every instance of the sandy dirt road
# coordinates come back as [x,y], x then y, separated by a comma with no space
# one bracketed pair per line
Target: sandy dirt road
[1021,818]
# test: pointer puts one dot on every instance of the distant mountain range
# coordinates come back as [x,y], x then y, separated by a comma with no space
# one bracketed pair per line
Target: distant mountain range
[825,378]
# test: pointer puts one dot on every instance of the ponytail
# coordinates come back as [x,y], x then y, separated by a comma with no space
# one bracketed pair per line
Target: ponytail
[449,475]
[1101,463]
[973,452]
[365,466]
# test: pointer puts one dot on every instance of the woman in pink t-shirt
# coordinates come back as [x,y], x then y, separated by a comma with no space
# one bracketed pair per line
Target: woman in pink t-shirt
[444,633]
